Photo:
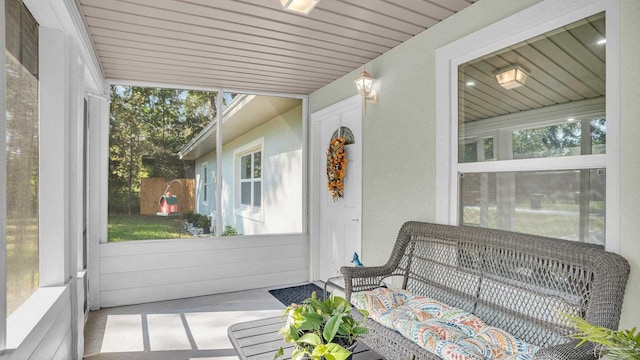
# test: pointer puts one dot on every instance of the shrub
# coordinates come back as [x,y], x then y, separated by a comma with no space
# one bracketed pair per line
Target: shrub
[190,216]
[202,221]
[230,231]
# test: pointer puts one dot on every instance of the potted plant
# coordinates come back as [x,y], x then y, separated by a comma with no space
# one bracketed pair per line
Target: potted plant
[614,344]
[204,222]
[321,329]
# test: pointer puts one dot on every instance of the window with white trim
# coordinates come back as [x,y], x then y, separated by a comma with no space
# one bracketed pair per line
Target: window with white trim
[250,180]
[532,156]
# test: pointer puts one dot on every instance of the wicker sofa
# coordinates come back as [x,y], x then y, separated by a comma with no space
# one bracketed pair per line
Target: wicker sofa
[516,282]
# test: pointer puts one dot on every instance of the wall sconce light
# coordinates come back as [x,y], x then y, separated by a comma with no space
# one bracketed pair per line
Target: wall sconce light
[299,6]
[511,77]
[364,84]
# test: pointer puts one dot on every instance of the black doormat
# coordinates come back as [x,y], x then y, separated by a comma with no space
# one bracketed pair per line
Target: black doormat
[296,294]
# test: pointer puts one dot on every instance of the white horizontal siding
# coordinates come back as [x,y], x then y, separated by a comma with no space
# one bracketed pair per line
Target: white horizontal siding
[64,350]
[52,338]
[156,270]
[151,278]
[57,344]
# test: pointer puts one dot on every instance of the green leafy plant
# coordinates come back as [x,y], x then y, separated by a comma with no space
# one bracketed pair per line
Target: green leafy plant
[203,221]
[190,216]
[615,344]
[230,231]
[321,329]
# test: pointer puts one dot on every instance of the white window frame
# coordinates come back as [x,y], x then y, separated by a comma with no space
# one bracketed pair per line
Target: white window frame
[514,29]
[252,180]
[501,129]
[250,212]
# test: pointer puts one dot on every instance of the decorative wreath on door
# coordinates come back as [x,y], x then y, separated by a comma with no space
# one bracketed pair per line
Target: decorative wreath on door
[336,167]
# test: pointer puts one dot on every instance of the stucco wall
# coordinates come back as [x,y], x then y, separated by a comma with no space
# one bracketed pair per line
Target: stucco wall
[630,156]
[404,122]
[281,177]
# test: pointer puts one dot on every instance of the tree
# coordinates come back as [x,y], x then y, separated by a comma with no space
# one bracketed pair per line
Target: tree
[155,123]
[176,117]
[554,140]
[126,147]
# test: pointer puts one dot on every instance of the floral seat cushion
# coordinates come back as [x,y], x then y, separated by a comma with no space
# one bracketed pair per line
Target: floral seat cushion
[448,332]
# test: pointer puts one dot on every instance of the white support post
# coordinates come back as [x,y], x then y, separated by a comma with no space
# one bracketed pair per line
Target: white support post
[505,183]
[219,120]
[305,168]
[75,76]
[103,166]
[53,186]
[76,188]
[97,142]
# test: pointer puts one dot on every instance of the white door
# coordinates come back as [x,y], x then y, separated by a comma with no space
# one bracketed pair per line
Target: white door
[337,225]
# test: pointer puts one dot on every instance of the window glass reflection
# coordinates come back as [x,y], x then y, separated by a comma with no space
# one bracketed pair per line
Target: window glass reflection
[543,98]
[22,153]
[566,204]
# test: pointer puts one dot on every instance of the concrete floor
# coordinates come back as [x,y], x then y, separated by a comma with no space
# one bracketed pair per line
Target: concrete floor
[186,329]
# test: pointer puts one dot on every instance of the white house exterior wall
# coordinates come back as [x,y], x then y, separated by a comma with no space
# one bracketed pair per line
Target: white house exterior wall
[282,187]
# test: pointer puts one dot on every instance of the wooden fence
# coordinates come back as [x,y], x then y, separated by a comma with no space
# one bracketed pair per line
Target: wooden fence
[152,189]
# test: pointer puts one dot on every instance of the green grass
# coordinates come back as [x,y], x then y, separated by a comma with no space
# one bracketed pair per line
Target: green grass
[540,222]
[124,227]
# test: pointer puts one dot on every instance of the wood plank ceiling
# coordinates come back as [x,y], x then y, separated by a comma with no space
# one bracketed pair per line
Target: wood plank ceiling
[250,45]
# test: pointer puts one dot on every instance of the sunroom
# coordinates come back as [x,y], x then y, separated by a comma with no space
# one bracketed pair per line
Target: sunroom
[553,149]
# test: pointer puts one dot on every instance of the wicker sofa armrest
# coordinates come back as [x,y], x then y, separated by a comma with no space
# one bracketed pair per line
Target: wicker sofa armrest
[369,277]
[567,351]
[363,278]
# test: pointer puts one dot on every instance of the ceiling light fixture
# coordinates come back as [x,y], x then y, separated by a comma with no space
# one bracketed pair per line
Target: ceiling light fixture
[364,84]
[602,41]
[470,83]
[511,77]
[299,6]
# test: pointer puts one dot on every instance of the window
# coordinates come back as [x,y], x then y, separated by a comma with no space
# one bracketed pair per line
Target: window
[557,113]
[204,182]
[22,153]
[532,158]
[565,204]
[562,139]
[251,179]
[468,150]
